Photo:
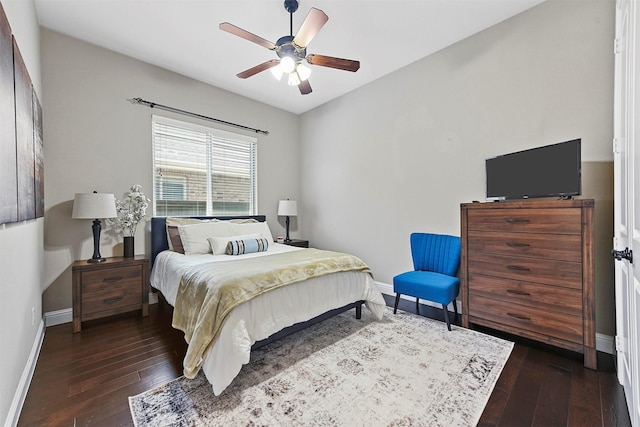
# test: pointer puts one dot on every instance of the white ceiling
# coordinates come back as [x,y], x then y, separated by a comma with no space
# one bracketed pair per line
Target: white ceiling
[183,36]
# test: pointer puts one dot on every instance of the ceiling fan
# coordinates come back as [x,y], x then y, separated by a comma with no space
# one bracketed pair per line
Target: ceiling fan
[292,50]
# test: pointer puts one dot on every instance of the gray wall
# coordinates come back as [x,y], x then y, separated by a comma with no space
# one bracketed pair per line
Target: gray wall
[96,140]
[20,243]
[400,154]
[395,156]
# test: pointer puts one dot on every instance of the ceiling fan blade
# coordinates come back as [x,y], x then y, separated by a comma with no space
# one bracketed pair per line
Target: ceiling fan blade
[258,68]
[314,21]
[330,61]
[237,31]
[305,87]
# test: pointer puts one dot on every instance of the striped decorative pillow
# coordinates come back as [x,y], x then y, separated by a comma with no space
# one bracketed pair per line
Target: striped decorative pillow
[247,246]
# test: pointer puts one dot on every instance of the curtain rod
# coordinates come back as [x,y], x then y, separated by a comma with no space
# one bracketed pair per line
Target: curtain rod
[187,113]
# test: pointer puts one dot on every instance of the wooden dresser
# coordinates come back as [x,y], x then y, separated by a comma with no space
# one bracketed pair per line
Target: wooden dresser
[527,268]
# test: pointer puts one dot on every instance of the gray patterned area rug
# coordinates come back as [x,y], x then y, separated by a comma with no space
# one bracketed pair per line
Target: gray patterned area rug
[405,370]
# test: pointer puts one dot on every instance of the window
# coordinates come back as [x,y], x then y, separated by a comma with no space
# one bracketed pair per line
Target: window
[202,171]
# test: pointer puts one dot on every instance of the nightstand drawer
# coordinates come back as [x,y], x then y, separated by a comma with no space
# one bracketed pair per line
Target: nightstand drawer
[121,297]
[99,279]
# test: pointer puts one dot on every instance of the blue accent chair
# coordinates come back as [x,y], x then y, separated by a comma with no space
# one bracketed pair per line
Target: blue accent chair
[436,258]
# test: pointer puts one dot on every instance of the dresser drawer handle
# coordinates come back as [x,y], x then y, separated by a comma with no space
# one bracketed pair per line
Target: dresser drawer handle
[112,279]
[112,299]
[518,245]
[519,316]
[517,268]
[517,292]
[517,220]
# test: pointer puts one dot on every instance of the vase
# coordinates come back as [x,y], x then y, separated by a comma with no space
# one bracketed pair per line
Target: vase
[128,244]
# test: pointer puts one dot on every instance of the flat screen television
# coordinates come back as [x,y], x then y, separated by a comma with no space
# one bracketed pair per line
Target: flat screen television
[551,170]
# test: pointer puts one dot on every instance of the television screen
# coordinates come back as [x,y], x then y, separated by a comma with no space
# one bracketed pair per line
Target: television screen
[552,170]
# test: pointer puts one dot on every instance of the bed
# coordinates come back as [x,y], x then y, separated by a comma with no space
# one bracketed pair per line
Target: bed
[252,322]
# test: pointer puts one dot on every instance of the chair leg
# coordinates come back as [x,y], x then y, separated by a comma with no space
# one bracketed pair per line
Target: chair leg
[395,307]
[417,305]
[455,307]
[446,316]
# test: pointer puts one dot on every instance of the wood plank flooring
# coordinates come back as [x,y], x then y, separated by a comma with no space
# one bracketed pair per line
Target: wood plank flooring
[86,378]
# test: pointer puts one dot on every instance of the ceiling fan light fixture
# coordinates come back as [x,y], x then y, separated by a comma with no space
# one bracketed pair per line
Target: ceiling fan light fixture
[303,71]
[277,72]
[288,64]
[292,50]
[294,79]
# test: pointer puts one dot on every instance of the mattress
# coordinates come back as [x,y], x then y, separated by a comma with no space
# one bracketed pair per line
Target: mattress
[267,314]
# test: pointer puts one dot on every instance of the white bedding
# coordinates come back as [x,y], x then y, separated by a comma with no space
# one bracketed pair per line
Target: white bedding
[267,314]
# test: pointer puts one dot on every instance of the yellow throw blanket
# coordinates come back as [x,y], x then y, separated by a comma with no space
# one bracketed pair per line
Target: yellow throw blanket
[209,292]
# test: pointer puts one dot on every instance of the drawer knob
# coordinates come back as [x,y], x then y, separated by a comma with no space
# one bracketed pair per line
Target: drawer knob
[519,316]
[112,279]
[112,300]
[518,292]
[518,245]
[517,268]
[517,220]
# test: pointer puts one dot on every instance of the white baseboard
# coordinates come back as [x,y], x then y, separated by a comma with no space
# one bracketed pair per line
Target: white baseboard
[604,343]
[58,317]
[25,380]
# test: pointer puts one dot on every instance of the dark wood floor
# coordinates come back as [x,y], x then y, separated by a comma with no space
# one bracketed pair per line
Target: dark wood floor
[86,378]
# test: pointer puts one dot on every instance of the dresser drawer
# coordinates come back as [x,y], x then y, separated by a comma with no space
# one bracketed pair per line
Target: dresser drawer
[98,279]
[556,221]
[550,272]
[553,298]
[536,320]
[558,247]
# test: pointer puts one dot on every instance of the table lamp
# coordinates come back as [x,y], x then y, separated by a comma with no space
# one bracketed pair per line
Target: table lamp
[94,206]
[287,208]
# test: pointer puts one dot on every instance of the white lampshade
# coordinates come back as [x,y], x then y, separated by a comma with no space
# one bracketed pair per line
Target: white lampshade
[287,64]
[303,72]
[277,72]
[94,206]
[294,79]
[287,208]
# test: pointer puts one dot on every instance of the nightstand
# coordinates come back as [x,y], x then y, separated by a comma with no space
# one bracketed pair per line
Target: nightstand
[102,289]
[298,243]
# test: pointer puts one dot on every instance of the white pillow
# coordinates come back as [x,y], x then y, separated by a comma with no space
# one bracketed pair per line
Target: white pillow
[219,244]
[194,236]
[252,228]
[178,221]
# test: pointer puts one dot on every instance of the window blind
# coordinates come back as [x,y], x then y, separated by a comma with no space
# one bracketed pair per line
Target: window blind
[202,171]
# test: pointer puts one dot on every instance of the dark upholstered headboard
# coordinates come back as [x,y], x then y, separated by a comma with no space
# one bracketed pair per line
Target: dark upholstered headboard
[159,240]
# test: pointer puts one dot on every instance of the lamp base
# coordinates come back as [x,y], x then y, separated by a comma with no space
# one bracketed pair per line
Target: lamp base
[287,239]
[96,227]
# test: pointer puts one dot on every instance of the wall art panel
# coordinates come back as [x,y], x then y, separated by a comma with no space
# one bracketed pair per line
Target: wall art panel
[24,138]
[8,175]
[39,156]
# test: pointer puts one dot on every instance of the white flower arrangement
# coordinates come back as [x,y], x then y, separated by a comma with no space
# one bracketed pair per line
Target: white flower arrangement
[131,211]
